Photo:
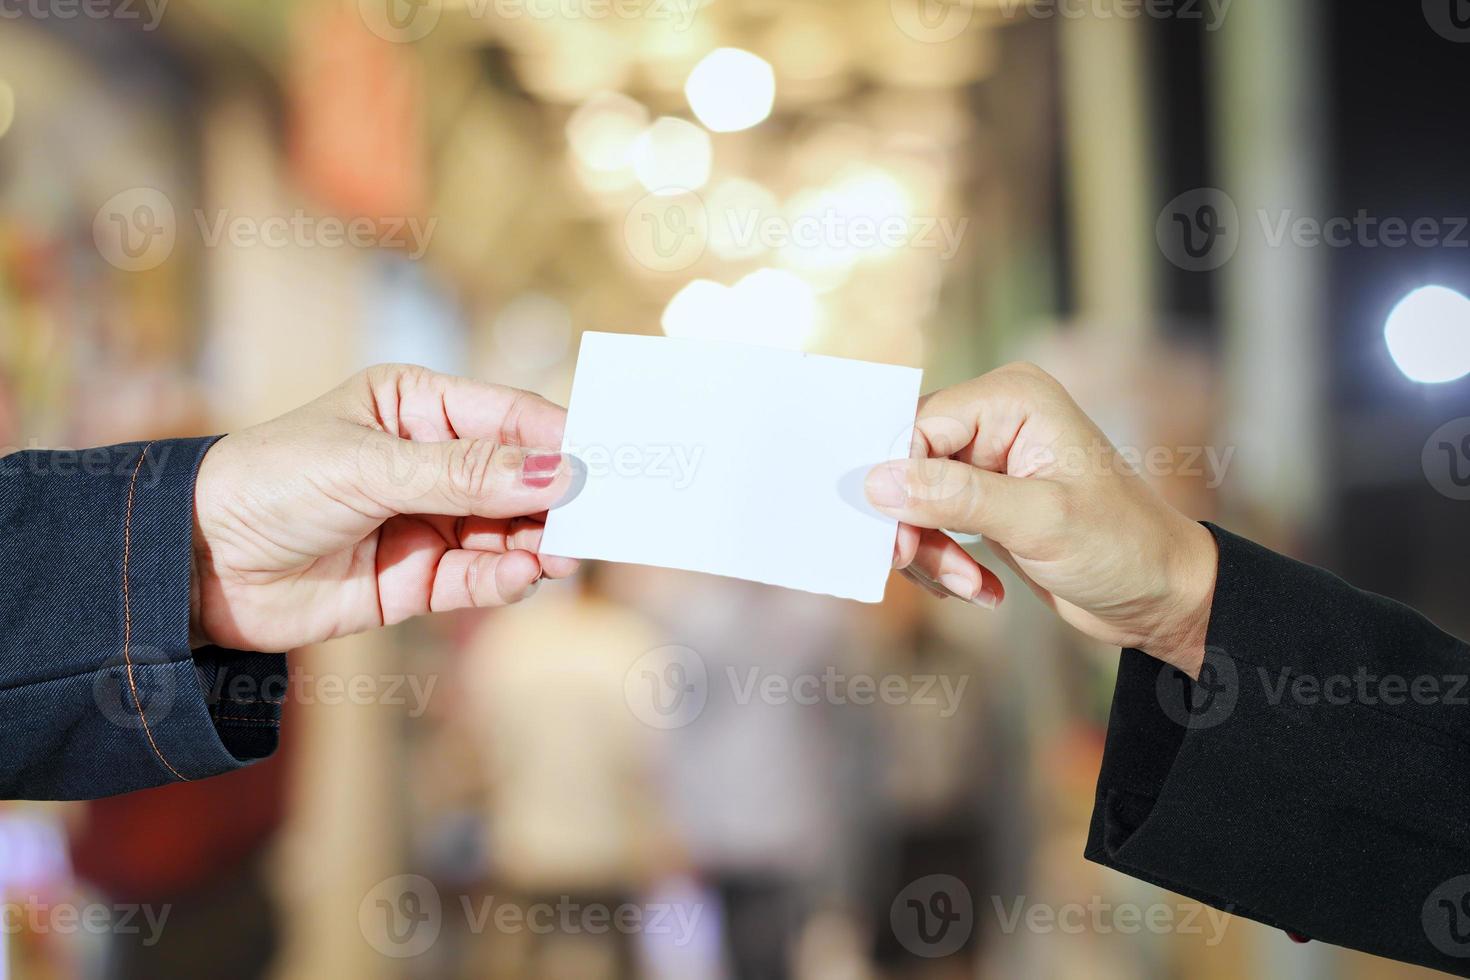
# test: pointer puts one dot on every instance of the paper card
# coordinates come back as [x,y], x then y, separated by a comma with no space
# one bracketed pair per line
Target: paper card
[734,460]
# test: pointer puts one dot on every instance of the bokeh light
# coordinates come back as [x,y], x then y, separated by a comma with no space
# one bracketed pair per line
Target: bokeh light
[738,210]
[731,90]
[604,129]
[672,155]
[769,307]
[1428,335]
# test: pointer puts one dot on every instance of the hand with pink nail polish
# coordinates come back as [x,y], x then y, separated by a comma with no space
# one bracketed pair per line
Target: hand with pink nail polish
[401,492]
[1011,457]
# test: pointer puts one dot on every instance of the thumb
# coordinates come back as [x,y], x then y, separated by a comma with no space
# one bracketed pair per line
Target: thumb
[463,477]
[950,495]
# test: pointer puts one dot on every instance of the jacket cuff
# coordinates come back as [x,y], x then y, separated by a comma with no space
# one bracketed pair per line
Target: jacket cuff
[171,696]
[1313,779]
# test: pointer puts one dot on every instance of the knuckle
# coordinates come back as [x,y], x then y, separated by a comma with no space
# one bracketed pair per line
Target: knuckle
[473,467]
[1032,373]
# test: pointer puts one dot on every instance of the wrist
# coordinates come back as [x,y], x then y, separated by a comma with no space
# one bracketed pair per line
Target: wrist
[199,557]
[1194,562]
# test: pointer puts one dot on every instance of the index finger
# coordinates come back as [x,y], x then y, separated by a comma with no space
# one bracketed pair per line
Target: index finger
[416,403]
[983,421]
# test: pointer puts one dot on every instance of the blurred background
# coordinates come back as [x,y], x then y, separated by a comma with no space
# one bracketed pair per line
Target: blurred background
[1237,230]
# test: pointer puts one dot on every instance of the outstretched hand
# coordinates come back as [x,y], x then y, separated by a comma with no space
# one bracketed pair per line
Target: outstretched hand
[1010,456]
[401,492]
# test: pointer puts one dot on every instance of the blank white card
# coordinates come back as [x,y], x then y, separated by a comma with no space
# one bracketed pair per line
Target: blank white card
[734,460]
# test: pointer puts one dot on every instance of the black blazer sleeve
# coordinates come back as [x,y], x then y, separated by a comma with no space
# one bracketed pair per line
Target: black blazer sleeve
[1316,778]
[100,692]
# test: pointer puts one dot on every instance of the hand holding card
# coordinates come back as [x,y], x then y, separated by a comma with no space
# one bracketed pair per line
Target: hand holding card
[734,460]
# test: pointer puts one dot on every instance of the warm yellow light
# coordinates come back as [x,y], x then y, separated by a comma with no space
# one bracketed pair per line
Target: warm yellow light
[770,307]
[780,309]
[701,309]
[741,215]
[671,156]
[731,90]
[603,130]
[862,216]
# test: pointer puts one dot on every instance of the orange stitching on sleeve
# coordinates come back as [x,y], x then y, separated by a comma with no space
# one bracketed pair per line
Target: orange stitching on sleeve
[128,617]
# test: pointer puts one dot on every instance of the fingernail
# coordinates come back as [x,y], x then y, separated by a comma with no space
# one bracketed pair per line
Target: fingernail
[959,585]
[986,599]
[886,487]
[539,471]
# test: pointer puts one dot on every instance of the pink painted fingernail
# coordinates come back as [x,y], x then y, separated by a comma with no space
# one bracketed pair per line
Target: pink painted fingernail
[539,471]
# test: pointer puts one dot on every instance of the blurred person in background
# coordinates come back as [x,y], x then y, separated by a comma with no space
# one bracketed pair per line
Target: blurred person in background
[940,780]
[571,815]
[754,783]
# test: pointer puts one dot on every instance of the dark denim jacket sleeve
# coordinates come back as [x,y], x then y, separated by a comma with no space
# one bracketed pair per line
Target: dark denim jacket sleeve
[99,690]
[1317,776]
